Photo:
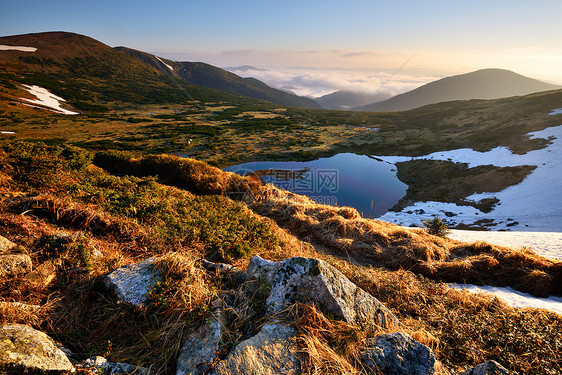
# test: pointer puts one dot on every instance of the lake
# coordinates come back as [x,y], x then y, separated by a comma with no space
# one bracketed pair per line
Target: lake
[366,183]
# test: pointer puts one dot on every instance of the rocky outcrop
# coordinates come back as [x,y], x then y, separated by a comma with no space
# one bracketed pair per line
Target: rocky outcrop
[26,350]
[271,351]
[103,367]
[487,368]
[132,283]
[14,264]
[313,280]
[398,354]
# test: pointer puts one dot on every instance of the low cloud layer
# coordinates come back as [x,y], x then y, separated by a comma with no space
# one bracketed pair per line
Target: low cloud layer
[318,82]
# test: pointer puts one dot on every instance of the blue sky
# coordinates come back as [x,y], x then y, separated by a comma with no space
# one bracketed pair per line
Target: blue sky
[445,37]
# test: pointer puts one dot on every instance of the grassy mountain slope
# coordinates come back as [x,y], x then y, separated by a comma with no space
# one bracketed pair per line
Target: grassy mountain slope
[210,76]
[188,210]
[481,84]
[88,73]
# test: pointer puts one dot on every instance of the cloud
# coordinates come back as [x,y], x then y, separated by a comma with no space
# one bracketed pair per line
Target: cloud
[318,82]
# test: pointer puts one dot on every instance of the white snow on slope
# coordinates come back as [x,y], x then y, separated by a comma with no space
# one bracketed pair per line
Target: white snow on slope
[514,297]
[546,244]
[4,47]
[7,132]
[46,99]
[168,66]
[557,111]
[535,204]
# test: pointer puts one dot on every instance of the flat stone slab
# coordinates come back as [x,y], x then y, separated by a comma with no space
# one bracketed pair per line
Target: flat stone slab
[26,350]
[271,351]
[132,283]
[487,368]
[6,245]
[104,367]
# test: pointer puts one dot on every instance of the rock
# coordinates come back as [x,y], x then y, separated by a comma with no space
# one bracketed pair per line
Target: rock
[398,354]
[199,351]
[216,267]
[103,366]
[488,368]
[14,264]
[26,350]
[42,275]
[271,351]
[132,283]
[308,279]
[6,245]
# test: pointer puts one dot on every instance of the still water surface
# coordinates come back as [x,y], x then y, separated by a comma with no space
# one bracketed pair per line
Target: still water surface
[365,183]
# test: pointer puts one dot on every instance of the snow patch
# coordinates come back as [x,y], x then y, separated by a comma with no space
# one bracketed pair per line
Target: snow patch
[514,297]
[546,244]
[46,99]
[535,204]
[168,66]
[7,132]
[4,47]
[557,111]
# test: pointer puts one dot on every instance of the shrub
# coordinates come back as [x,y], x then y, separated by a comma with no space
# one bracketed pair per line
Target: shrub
[437,227]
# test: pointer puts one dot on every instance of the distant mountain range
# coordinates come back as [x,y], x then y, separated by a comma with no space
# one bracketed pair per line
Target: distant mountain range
[346,100]
[481,84]
[213,77]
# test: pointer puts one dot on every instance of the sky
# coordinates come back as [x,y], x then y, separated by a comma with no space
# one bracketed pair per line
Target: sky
[314,47]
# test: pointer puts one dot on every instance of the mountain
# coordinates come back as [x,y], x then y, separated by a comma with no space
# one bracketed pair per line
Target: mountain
[481,84]
[92,75]
[345,100]
[213,77]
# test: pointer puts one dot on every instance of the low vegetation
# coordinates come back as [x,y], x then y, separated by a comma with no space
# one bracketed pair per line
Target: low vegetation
[181,210]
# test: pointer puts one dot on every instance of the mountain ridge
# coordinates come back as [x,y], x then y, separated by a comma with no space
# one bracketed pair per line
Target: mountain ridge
[490,83]
[210,76]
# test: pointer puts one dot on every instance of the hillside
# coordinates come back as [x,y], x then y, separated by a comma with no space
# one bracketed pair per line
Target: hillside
[91,75]
[213,77]
[481,84]
[345,100]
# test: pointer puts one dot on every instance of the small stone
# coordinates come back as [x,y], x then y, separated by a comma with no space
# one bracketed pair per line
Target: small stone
[26,350]
[132,283]
[103,366]
[398,354]
[6,245]
[14,264]
[42,275]
[487,368]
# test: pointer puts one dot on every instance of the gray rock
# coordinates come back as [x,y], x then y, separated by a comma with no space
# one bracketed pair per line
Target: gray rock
[307,279]
[15,264]
[103,366]
[488,368]
[24,349]
[6,245]
[398,354]
[272,351]
[199,351]
[132,283]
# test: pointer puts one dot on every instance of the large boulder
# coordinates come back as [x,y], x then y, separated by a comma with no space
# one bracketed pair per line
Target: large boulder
[132,283]
[398,354]
[313,280]
[487,368]
[272,351]
[6,246]
[103,367]
[15,264]
[26,350]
